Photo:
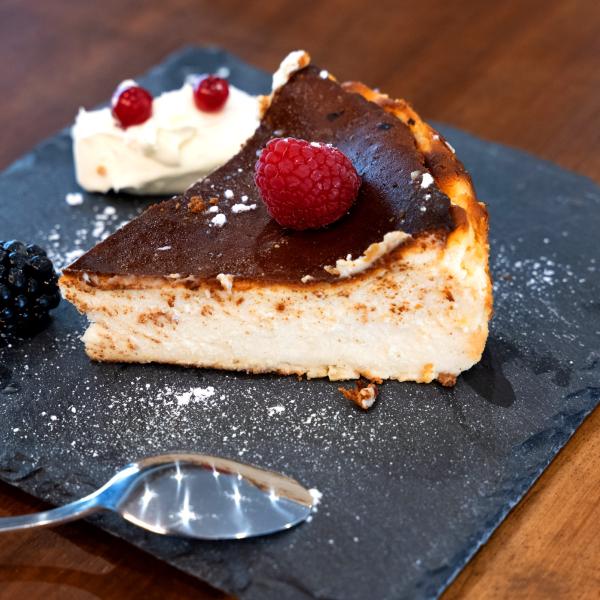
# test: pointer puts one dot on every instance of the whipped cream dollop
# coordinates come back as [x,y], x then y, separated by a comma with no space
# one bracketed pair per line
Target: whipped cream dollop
[177,146]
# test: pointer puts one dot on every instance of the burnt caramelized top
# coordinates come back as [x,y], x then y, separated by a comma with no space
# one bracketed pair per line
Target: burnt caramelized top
[250,244]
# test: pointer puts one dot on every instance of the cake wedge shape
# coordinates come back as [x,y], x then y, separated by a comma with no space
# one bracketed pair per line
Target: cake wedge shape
[398,288]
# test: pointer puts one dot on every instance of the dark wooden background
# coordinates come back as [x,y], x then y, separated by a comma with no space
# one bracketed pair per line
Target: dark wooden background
[524,73]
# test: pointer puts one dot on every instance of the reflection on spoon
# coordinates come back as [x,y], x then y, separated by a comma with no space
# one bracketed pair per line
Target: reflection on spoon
[190,495]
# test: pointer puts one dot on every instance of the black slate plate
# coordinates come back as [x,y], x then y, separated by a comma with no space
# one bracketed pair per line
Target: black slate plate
[410,489]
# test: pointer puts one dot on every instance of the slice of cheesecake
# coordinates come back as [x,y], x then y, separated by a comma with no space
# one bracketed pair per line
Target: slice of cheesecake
[398,288]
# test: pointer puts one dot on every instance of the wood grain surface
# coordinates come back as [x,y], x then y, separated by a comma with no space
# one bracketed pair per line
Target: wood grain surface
[523,73]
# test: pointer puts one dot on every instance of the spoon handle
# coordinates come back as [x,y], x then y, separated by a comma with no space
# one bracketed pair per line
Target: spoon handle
[63,514]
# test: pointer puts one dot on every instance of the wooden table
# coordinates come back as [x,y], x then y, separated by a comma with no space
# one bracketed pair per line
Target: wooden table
[524,73]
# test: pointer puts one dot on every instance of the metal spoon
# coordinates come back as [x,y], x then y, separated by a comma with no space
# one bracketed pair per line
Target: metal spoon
[189,495]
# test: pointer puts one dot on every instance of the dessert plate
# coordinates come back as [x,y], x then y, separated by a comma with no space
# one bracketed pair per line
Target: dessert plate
[418,483]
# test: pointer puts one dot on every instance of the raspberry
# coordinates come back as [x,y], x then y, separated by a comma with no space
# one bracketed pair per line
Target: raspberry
[131,104]
[305,185]
[28,287]
[211,93]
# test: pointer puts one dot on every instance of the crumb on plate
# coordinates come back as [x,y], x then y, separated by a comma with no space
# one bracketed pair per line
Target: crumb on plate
[363,394]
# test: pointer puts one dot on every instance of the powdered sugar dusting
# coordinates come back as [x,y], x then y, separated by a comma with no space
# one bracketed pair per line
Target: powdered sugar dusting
[74,199]
[239,208]
[195,395]
[218,220]
[316,496]
[426,181]
[64,249]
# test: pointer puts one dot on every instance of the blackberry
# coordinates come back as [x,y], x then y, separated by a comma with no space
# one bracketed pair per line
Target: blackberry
[28,287]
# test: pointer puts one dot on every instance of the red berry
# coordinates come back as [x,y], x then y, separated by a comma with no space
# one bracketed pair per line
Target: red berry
[131,104]
[305,185]
[211,93]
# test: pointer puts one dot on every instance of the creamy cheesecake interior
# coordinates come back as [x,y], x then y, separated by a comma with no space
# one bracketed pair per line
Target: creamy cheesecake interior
[417,316]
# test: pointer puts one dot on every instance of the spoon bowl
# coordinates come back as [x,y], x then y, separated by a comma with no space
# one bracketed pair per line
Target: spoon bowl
[190,495]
